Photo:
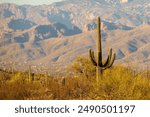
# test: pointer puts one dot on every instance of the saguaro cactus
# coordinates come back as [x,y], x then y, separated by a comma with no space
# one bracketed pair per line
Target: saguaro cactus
[98,62]
[30,74]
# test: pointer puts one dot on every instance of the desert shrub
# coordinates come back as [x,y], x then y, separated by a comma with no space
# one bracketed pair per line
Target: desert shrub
[18,87]
[67,88]
[13,91]
[82,67]
[122,83]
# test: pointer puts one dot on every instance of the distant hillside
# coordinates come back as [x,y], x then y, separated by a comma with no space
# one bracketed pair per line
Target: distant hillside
[55,34]
[130,46]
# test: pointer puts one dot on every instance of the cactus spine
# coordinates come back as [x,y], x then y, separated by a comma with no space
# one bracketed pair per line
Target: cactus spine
[98,62]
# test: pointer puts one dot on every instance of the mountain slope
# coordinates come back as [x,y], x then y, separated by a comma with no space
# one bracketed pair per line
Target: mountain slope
[130,46]
[53,35]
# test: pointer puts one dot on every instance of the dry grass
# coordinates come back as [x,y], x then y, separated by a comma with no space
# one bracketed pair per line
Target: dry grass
[117,83]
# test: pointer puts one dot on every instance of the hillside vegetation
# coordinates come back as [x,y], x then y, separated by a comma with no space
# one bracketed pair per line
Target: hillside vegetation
[117,83]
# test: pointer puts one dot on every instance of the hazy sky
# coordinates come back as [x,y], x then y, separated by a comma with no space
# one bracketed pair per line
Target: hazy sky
[32,2]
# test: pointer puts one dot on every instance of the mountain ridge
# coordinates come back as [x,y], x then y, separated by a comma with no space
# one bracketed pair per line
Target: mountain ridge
[52,34]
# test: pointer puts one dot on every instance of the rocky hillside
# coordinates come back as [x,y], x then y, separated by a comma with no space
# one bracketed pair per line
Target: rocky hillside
[55,34]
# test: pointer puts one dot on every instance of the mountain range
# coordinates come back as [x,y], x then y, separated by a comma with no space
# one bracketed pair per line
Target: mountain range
[51,36]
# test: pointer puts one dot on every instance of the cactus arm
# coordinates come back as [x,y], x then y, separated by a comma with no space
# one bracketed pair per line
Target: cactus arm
[110,53]
[108,58]
[92,58]
[110,62]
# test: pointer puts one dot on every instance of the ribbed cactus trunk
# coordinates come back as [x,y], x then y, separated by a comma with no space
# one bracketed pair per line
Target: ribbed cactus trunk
[99,51]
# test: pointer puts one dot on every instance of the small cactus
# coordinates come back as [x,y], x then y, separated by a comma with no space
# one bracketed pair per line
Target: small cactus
[63,81]
[98,62]
[30,74]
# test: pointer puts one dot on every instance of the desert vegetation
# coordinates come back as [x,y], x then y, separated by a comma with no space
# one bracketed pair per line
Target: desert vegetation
[116,83]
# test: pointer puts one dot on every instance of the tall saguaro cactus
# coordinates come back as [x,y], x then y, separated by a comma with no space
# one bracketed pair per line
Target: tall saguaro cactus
[97,61]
